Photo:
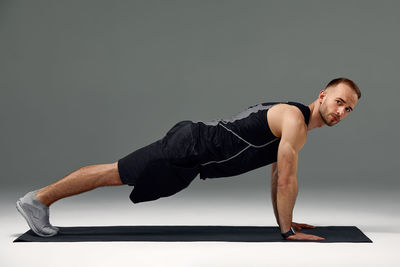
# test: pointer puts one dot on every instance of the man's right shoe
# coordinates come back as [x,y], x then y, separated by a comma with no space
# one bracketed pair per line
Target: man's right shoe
[36,215]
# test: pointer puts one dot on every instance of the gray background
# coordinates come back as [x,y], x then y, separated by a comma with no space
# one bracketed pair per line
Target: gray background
[88,82]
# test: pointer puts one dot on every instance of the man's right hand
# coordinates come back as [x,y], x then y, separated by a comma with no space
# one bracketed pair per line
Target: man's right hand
[303,236]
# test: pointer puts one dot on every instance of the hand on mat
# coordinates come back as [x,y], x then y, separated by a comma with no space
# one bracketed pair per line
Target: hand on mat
[303,236]
[299,226]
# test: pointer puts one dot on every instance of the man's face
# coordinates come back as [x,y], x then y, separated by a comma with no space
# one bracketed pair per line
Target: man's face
[337,103]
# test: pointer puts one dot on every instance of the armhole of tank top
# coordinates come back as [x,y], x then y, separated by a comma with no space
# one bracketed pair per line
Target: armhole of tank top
[302,109]
[272,105]
[292,103]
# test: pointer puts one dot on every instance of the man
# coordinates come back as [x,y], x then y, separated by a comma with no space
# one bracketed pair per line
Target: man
[267,133]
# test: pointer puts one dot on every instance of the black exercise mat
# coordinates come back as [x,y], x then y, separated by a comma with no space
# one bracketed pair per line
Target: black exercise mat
[179,233]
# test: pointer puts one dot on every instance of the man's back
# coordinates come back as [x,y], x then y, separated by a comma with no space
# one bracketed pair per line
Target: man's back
[229,147]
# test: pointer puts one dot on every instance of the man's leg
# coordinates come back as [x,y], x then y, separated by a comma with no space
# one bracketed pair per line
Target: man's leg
[34,206]
[79,181]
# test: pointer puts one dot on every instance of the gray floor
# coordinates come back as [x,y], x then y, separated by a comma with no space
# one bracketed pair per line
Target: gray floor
[375,214]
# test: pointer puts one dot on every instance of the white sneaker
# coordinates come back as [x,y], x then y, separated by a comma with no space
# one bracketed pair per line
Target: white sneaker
[36,215]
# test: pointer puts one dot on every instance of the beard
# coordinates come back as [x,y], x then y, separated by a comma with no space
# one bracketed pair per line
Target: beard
[324,116]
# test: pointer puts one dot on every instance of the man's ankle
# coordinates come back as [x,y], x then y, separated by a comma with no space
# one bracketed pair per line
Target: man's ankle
[40,196]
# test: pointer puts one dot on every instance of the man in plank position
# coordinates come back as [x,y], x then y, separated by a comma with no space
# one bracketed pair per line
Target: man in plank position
[267,133]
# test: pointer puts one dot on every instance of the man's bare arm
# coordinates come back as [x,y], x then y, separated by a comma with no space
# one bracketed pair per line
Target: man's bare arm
[287,185]
[287,190]
[293,138]
[293,132]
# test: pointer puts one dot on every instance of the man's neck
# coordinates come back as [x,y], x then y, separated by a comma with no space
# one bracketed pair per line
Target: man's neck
[315,118]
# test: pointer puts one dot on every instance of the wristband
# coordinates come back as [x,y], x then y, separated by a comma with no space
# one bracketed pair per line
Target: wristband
[288,233]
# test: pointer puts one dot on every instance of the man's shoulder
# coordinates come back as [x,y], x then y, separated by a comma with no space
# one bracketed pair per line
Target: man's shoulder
[285,117]
[286,112]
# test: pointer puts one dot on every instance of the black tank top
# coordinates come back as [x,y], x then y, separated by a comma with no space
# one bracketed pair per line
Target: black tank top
[229,147]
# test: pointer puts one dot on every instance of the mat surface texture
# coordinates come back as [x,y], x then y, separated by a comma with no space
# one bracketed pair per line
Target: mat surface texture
[183,233]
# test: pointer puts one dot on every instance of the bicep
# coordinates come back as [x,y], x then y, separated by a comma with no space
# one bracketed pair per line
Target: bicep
[287,161]
[292,140]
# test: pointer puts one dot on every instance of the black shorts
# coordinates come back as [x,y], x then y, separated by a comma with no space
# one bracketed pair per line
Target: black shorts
[162,168]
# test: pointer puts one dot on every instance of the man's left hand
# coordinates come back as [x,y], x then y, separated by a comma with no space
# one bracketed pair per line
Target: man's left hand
[299,226]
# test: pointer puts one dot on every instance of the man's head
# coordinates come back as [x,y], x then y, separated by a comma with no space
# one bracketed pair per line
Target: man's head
[337,100]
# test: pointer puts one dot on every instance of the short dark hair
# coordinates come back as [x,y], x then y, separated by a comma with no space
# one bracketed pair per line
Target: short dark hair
[347,81]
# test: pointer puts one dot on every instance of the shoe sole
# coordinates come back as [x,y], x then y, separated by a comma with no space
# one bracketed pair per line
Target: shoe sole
[31,225]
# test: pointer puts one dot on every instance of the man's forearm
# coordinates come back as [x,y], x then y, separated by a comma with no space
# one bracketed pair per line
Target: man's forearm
[274,185]
[286,198]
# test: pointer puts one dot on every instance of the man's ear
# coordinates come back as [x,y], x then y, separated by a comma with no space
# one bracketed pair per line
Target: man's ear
[321,96]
